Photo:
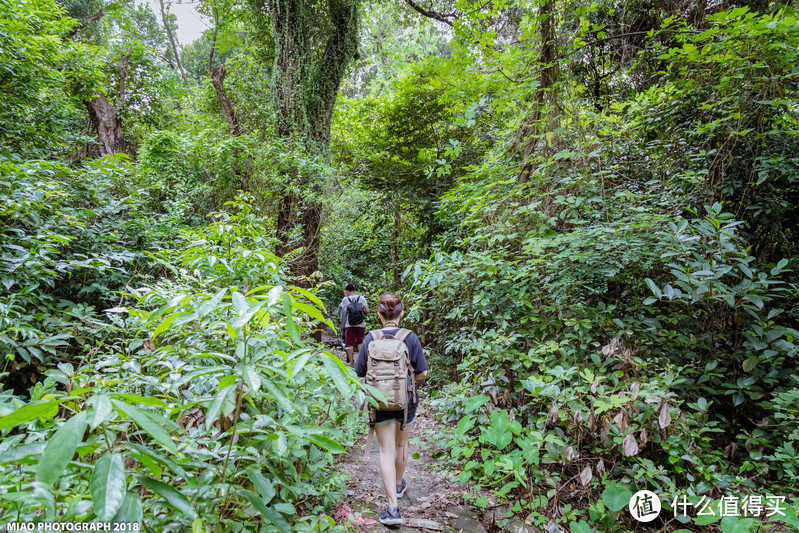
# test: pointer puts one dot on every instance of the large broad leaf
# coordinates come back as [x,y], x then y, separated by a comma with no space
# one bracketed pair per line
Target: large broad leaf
[337,371]
[13,455]
[170,494]
[277,392]
[60,449]
[308,294]
[499,433]
[216,405]
[103,410]
[149,422]
[164,460]
[210,305]
[732,524]
[616,497]
[580,527]
[474,403]
[326,443]
[26,413]
[292,329]
[130,512]
[274,517]
[108,485]
[263,486]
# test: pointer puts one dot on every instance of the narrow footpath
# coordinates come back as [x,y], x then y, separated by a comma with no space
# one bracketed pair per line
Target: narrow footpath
[431,503]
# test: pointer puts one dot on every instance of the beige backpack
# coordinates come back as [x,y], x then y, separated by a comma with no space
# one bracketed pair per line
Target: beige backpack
[387,365]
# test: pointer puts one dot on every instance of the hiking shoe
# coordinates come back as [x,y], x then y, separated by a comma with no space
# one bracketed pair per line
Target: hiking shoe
[391,517]
[401,488]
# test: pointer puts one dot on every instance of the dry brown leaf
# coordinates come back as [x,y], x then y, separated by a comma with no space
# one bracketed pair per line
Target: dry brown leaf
[622,420]
[553,413]
[591,421]
[664,418]
[586,476]
[600,468]
[578,416]
[569,454]
[643,437]
[634,388]
[629,446]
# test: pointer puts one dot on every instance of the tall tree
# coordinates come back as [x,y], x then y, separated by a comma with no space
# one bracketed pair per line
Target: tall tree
[312,44]
[173,43]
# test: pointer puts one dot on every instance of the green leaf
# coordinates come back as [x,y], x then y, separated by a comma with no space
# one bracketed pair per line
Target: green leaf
[174,497]
[337,371]
[130,512]
[732,524]
[311,296]
[164,460]
[108,485]
[292,329]
[217,403]
[60,449]
[474,403]
[263,486]
[580,527]
[274,517]
[251,378]
[652,287]
[210,305]
[326,443]
[146,400]
[750,364]
[278,393]
[790,517]
[247,315]
[102,410]
[13,455]
[164,325]
[26,413]
[313,312]
[150,422]
[616,497]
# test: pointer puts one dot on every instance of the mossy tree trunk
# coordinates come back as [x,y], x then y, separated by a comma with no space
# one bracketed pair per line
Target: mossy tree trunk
[312,49]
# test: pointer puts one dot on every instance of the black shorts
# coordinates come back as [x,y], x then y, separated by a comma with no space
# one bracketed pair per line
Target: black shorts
[396,416]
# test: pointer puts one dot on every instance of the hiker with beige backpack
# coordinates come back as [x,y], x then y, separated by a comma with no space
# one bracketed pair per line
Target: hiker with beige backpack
[392,360]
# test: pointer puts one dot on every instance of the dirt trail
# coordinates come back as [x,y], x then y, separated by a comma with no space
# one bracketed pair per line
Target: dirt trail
[431,502]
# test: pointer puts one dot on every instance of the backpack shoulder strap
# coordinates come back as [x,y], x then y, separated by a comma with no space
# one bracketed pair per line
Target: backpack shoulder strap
[376,334]
[402,334]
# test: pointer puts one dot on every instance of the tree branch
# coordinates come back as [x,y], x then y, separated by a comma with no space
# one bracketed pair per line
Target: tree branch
[435,15]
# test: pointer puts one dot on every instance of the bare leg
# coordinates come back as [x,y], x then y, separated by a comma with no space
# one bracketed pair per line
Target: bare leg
[386,443]
[401,440]
[349,354]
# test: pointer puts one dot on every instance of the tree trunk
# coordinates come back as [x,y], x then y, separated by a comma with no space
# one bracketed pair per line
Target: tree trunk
[173,44]
[107,125]
[305,83]
[394,248]
[547,78]
[218,81]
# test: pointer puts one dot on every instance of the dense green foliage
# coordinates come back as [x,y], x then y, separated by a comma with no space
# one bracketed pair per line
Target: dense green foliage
[591,211]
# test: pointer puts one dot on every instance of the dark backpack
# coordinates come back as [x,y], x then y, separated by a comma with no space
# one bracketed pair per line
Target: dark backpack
[355,313]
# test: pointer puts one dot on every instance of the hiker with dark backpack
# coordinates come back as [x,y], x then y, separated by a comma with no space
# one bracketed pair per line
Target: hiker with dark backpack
[391,359]
[353,309]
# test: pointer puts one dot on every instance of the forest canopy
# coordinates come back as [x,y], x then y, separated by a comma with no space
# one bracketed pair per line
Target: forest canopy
[590,208]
